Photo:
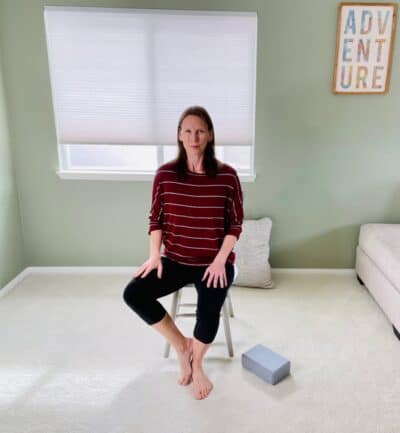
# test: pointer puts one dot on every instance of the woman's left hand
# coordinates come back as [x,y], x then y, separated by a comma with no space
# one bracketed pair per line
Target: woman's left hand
[216,273]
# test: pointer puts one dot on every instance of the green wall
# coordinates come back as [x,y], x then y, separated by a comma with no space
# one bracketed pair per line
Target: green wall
[325,163]
[11,248]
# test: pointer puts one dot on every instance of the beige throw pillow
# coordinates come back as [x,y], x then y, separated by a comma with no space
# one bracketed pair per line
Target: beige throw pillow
[252,254]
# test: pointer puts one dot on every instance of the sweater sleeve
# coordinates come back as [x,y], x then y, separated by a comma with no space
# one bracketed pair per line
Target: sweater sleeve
[156,210]
[235,209]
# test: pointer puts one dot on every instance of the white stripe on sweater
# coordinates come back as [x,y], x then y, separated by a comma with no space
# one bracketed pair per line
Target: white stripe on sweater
[192,237]
[195,217]
[191,247]
[194,228]
[196,195]
[196,207]
[194,184]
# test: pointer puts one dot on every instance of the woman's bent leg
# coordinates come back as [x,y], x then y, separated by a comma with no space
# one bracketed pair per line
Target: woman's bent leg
[141,295]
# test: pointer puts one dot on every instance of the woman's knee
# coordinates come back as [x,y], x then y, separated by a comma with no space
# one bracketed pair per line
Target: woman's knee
[139,298]
[206,327]
[132,293]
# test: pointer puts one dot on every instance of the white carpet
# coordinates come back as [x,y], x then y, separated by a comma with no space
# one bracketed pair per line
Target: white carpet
[74,358]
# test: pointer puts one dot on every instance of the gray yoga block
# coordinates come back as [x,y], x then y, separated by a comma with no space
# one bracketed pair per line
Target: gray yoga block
[266,364]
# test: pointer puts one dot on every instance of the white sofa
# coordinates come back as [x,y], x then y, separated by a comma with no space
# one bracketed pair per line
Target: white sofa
[378,267]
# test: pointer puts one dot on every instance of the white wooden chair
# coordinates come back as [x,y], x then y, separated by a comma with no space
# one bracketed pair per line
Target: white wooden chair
[226,313]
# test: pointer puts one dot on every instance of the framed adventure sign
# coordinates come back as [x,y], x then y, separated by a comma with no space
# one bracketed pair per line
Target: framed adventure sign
[364,45]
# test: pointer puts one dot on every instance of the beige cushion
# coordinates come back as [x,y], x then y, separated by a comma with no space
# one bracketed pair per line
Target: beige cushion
[252,254]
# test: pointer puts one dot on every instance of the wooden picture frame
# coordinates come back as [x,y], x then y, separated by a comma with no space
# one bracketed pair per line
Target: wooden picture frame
[364,47]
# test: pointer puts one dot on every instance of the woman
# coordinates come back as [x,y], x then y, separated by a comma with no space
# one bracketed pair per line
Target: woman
[197,213]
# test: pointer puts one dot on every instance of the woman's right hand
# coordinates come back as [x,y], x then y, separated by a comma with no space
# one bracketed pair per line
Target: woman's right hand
[154,262]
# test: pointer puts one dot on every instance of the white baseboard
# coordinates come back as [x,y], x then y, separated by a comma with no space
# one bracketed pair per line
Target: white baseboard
[14,282]
[63,270]
[337,271]
[112,270]
[123,270]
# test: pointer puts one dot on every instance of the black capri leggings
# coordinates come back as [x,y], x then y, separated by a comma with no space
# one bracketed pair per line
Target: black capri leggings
[141,295]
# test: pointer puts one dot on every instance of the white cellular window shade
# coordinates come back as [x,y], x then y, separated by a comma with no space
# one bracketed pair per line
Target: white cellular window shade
[121,78]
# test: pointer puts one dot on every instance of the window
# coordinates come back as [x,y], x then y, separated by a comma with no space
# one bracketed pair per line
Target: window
[120,79]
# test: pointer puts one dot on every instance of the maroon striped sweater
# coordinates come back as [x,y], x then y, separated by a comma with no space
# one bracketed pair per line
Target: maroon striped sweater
[196,214]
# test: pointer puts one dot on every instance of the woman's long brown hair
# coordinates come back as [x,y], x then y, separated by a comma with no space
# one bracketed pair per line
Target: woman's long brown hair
[210,162]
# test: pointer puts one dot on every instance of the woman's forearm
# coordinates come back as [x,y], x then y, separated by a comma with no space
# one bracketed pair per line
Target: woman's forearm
[155,243]
[226,248]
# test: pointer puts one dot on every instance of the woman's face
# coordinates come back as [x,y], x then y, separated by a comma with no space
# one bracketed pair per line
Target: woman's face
[195,135]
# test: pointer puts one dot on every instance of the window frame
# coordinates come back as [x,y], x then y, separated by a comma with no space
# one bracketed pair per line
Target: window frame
[63,172]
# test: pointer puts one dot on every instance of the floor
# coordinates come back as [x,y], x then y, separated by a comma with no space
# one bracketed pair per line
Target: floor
[74,358]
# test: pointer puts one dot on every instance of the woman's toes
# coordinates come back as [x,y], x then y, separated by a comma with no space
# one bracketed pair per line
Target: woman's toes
[202,385]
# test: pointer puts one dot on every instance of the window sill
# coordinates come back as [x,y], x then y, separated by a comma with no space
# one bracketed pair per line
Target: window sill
[120,175]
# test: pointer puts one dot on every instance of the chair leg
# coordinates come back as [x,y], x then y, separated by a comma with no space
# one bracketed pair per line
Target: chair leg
[228,336]
[174,309]
[227,311]
[230,304]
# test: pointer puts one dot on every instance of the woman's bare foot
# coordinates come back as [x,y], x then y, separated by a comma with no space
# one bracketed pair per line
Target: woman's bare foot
[201,383]
[185,363]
